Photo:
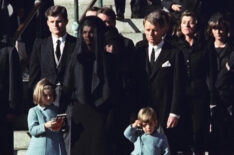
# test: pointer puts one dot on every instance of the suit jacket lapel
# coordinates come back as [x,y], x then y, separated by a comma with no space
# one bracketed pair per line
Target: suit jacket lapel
[49,54]
[66,52]
[163,56]
[147,63]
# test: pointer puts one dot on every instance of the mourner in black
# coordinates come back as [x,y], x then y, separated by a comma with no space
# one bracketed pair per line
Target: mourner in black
[161,73]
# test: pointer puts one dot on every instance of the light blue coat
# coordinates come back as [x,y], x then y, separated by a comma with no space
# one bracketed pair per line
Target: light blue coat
[147,144]
[44,141]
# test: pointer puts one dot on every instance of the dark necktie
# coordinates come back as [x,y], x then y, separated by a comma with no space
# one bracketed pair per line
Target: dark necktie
[152,58]
[57,51]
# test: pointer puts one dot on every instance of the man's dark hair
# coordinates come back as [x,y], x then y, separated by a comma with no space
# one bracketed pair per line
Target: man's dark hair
[56,10]
[109,12]
[94,8]
[157,17]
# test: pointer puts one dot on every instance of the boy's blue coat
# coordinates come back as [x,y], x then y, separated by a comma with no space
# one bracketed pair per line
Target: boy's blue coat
[147,144]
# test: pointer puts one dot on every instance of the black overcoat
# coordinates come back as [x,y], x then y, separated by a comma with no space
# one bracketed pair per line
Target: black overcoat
[42,62]
[10,93]
[163,86]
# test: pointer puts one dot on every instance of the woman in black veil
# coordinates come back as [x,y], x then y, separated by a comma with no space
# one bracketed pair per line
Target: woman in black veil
[87,93]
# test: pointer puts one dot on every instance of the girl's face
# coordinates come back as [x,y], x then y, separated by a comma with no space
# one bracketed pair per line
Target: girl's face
[219,34]
[187,25]
[47,97]
[149,127]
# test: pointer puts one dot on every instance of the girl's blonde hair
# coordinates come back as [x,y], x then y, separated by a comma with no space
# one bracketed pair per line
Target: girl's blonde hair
[38,92]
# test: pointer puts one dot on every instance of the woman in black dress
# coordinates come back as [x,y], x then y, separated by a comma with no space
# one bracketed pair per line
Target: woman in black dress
[198,69]
[222,85]
[88,90]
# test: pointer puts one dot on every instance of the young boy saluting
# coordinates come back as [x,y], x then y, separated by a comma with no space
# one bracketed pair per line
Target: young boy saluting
[143,133]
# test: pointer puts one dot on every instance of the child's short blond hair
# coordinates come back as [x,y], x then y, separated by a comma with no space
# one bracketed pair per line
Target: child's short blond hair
[147,114]
[42,85]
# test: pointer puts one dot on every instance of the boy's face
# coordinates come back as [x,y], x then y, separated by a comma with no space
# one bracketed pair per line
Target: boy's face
[153,33]
[149,127]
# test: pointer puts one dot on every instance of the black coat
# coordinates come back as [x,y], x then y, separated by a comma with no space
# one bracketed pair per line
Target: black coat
[198,66]
[162,88]
[42,62]
[140,8]
[10,93]
[222,78]
[195,118]
[10,79]
[223,98]
[88,91]
[192,5]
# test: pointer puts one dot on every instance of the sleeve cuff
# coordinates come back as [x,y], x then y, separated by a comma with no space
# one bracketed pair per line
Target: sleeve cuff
[174,115]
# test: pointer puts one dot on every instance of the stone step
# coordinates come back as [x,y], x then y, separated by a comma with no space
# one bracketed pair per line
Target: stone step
[128,26]
[21,142]
[135,37]
[20,152]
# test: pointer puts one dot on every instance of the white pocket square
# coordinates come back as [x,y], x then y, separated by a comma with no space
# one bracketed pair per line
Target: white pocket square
[166,64]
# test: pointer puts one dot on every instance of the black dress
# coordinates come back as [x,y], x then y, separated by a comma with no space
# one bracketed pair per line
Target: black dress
[195,118]
[222,137]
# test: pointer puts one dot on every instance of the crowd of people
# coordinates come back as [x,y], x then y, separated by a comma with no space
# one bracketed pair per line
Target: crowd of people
[171,92]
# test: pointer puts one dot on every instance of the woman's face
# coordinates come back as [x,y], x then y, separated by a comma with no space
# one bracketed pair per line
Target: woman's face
[88,35]
[187,25]
[219,34]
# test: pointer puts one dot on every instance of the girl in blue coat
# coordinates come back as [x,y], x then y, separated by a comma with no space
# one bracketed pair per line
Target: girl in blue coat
[45,130]
[143,133]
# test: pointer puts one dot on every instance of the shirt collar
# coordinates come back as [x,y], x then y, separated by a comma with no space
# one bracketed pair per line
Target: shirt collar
[62,39]
[156,47]
[42,107]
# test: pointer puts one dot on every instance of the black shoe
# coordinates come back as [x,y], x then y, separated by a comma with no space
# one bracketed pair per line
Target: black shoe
[120,17]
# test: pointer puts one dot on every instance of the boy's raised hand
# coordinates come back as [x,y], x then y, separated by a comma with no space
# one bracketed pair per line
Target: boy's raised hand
[137,124]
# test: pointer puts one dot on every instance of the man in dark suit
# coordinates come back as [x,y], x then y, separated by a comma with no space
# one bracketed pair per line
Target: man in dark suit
[140,8]
[120,9]
[107,15]
[50,55]
[178,6]
[160,74]
[10,88]
[123,62]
